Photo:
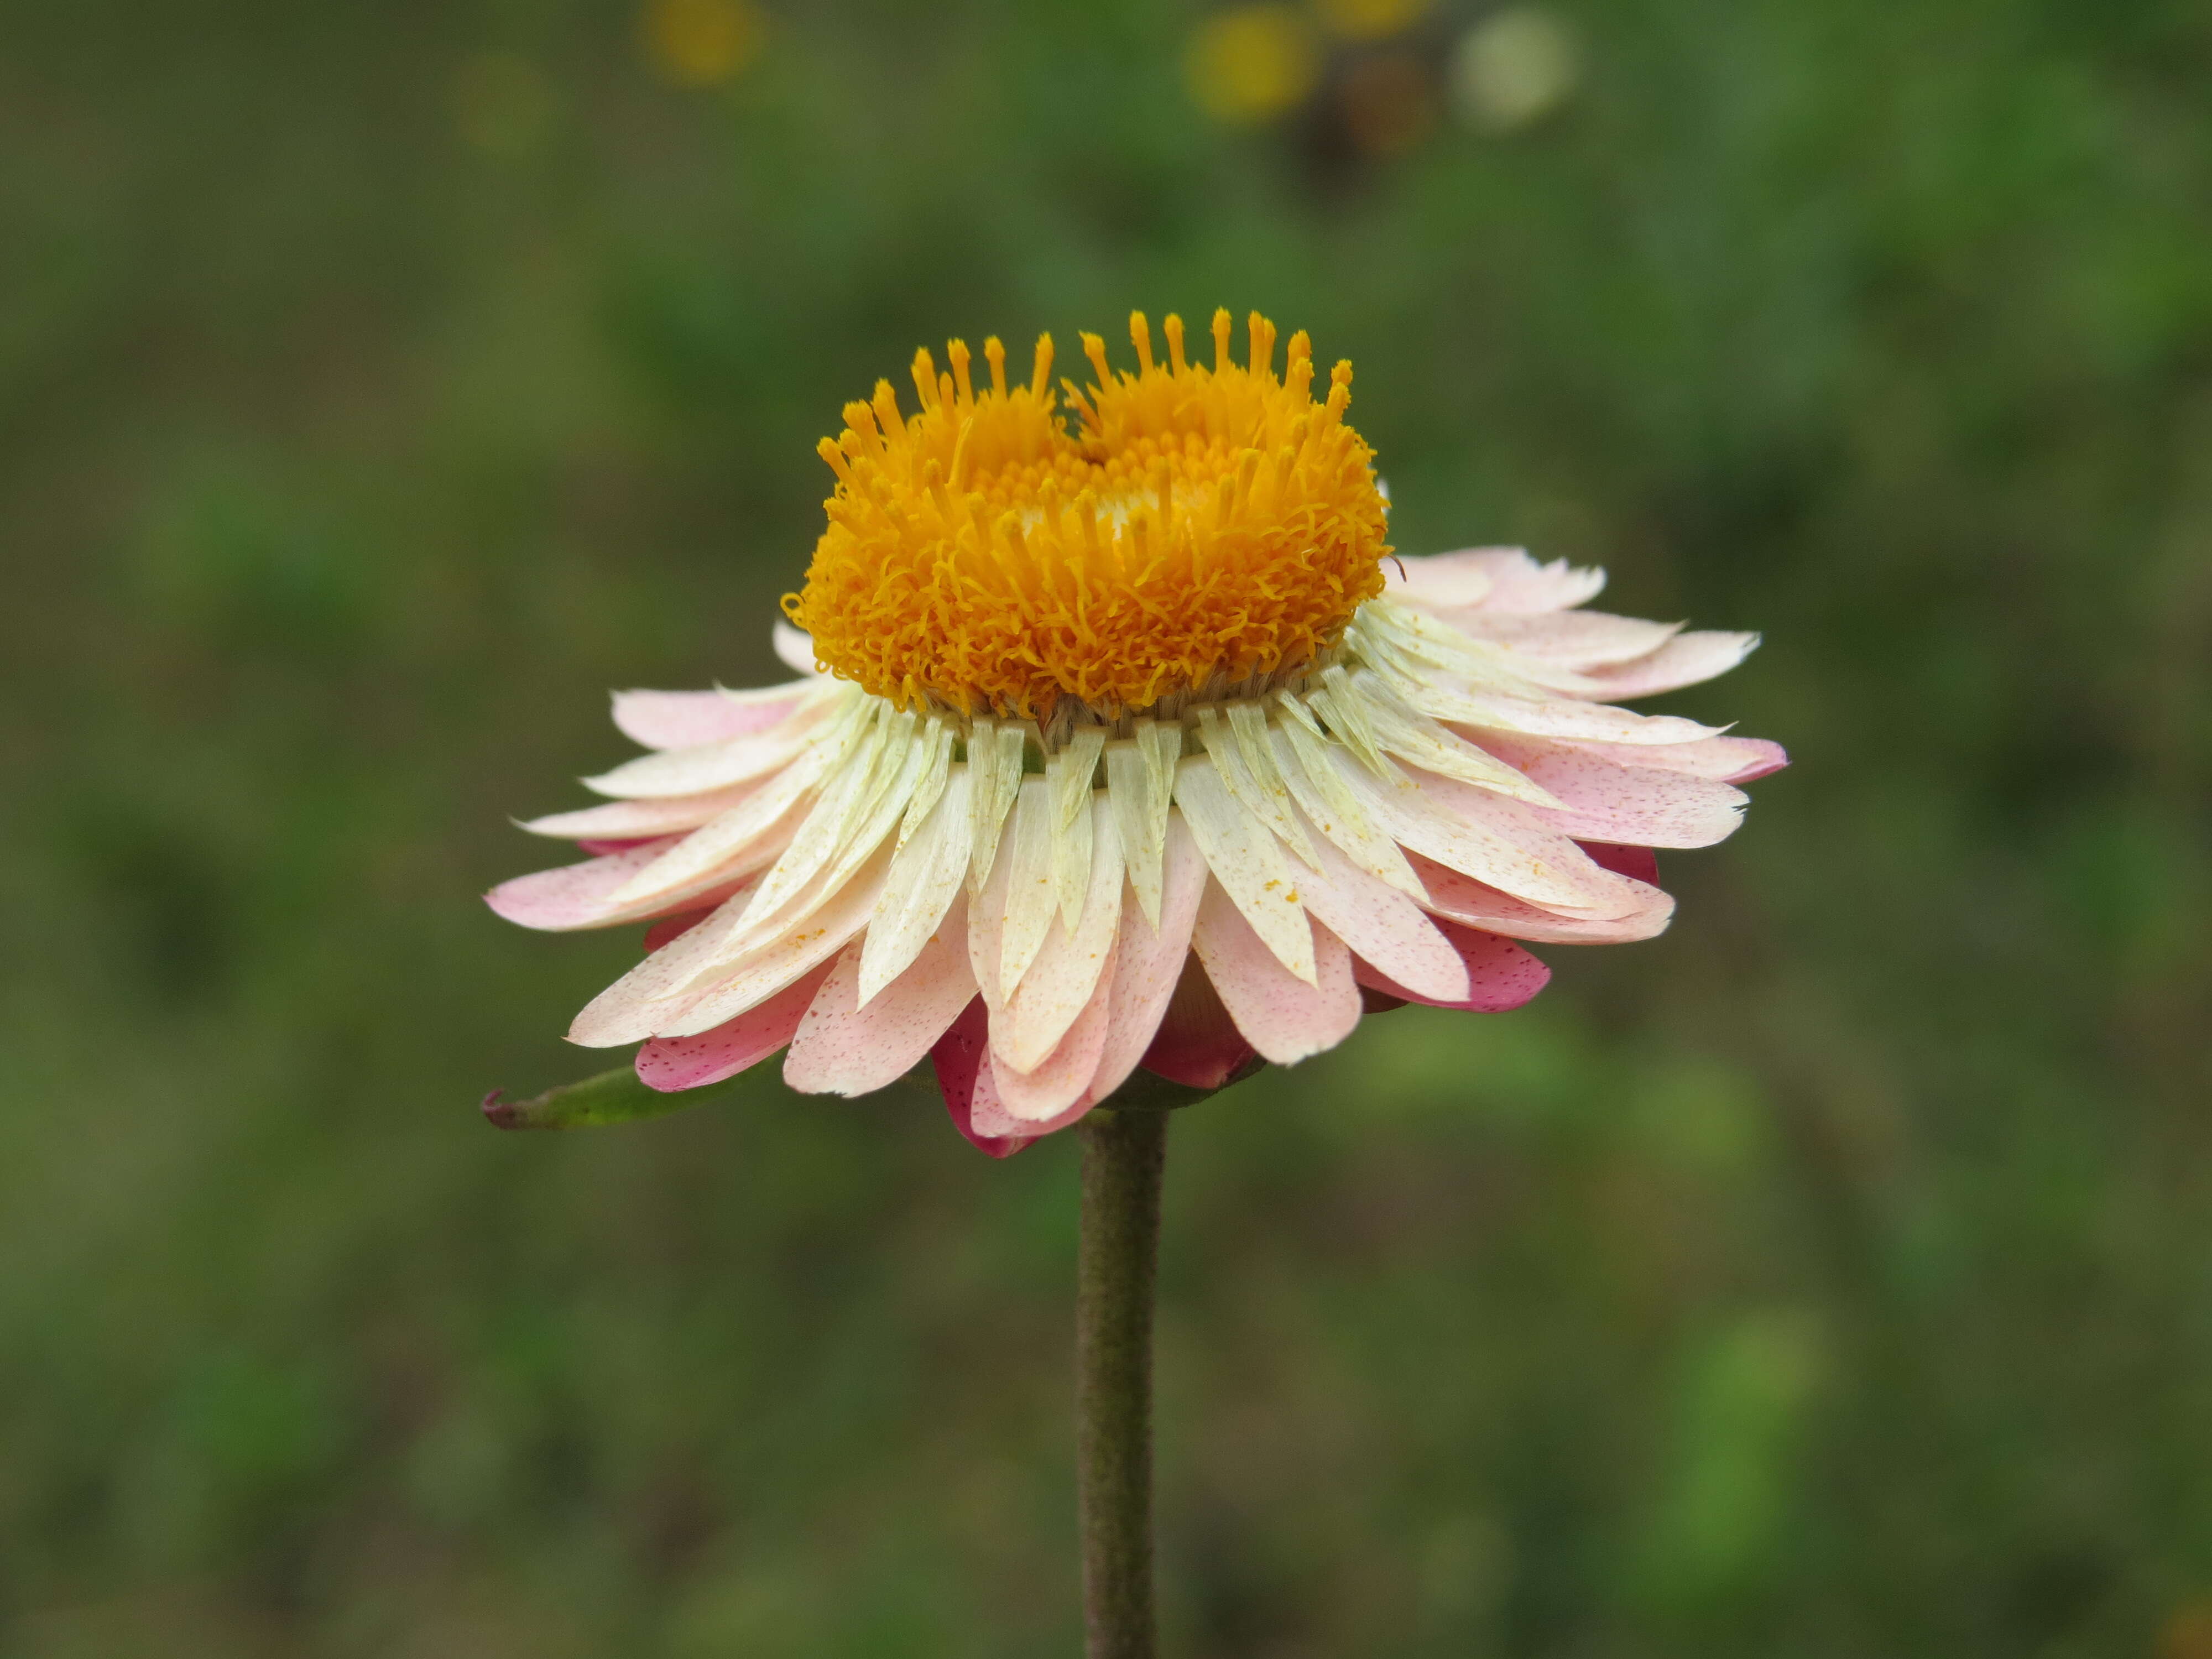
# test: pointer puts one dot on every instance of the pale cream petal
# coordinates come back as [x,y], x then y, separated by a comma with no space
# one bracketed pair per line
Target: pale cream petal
[773,963]
[1060,981]
[746,838]
[1263,795]
[1329,804]
[1413,737]
[994,760]
[987,928]
[1129,788]
[1284,1016]
[828,827]
[1249,863]
[926,877]
[1071,835]
[846,1046]
[1030,898]
[794,650]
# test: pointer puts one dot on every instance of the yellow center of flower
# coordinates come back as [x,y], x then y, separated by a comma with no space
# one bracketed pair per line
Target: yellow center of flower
[1202,528]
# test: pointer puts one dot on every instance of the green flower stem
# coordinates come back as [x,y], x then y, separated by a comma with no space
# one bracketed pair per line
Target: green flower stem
[1124,1154]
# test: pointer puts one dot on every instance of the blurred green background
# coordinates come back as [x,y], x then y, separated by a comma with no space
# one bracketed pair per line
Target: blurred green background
[380,384]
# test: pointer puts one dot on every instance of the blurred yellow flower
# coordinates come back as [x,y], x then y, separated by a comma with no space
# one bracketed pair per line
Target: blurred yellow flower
[1513,67]
[1369,20]
[1252,61]
[702,43]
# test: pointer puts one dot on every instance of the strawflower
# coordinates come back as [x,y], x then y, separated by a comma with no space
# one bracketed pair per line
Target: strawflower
[1125,740]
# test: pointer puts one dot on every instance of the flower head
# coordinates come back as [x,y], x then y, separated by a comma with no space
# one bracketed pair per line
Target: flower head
[1124,742]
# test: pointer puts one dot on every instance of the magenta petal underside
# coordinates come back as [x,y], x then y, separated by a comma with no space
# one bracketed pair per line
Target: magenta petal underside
[1500,974]
[1637,863]
[958,1061]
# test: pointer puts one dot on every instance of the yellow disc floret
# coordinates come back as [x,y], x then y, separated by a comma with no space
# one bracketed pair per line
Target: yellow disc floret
[1201,527]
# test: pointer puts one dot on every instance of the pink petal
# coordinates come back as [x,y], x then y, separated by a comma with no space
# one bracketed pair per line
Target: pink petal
[1607,801]
[1725,760]
[626,818]
[1281,1016]
[1197,1044]
[1586,641]
[1463,899]
[600,848]
[1437,581]
[1058,1082]
[965,1083]
[1685,659]
[1518,583]
[683,719]
[1381,925]
[1147,964]
[844,1049]
[574,896]
[690,1062]
[1500,974]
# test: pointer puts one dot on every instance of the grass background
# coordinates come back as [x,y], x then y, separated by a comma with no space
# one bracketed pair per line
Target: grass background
[1832,1277]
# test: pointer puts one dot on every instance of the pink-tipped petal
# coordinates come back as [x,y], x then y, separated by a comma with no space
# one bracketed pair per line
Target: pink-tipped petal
[1381,925]
[1062,980]
[575,895]
[1771,758]
[1058,1083]
[692,1062]
[1281,1016]
[844,1049]
[625,820]
[1500,974]
[1585,641]
[683,719]
[1686,659]
[1459,898]
[1148,963]
[1725,760]
[965,1081]
[1439,580]
[1637,806]
[1518,583]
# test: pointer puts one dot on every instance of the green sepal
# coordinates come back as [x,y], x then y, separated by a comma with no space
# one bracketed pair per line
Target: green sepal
[614,1096]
